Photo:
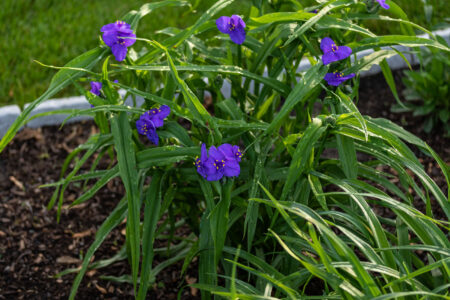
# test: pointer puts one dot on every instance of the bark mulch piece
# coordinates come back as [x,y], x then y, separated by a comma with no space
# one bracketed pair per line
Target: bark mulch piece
[34,247]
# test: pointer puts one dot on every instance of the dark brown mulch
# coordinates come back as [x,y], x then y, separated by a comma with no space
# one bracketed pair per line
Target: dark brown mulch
[34,247]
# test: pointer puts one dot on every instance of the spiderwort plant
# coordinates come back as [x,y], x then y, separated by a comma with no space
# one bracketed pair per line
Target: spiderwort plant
[234,26]
[118,36]
[281,199]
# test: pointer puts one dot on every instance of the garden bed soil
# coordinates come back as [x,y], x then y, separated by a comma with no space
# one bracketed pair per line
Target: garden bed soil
[34,247]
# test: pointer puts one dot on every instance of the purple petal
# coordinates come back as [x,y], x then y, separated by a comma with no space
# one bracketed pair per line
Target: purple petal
[96,87]
[110,38]
[325,45]
[227,150]
[223,24]
[153,136]
[215,154]
[109,27]
[232,168]
[164,111]
[329,57]
[343,52]
[202,170]
[348,76]
[204,153]
[237,21]
[214,176]
[127,39]
[238,35]
[383,4]
[119,51]
[332,79]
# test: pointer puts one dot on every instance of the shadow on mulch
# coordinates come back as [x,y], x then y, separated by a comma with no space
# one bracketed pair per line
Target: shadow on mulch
[34,247]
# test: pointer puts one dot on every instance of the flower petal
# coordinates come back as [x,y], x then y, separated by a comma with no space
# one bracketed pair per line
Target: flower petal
[238,35]
[237,21]
[343,52]
[348,76]
[214,177]
[119,51]
[231,168]
[227,150]
[204,154]
[325,45]
[164,111]
[223,24]
[215,154]
[109,27]
[329,57]
[96,87]
[383,4]
[128,39]
[153,136]
[110,38]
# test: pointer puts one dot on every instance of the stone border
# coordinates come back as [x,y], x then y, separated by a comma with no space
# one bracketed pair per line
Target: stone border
[9,113]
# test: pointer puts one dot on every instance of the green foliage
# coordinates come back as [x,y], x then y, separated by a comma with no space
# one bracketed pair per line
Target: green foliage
[427,90]
[326,204]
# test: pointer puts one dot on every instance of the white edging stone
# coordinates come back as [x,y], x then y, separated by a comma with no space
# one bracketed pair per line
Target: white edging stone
[9,113]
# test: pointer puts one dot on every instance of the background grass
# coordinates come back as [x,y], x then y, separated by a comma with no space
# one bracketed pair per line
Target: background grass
[55,31]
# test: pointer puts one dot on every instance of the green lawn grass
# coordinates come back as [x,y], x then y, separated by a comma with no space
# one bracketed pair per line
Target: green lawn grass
[55,31]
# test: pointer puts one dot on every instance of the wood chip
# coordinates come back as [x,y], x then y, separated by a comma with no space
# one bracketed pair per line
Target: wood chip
[67,260]
[102,290]
[17,182]
[192,280]
[38,259]
[21,245]
[82,234]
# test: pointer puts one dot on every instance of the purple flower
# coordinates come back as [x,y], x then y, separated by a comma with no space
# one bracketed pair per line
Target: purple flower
[118,36]
[337,78]
[383,4]
[314,11]
[233,26]
[96,87]
[222,161]
[150,120]
[331,52]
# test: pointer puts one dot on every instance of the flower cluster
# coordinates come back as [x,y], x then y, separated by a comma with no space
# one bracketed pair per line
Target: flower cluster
[233,26]
[221,161]
[332,53]
[150,120]
[118,36]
